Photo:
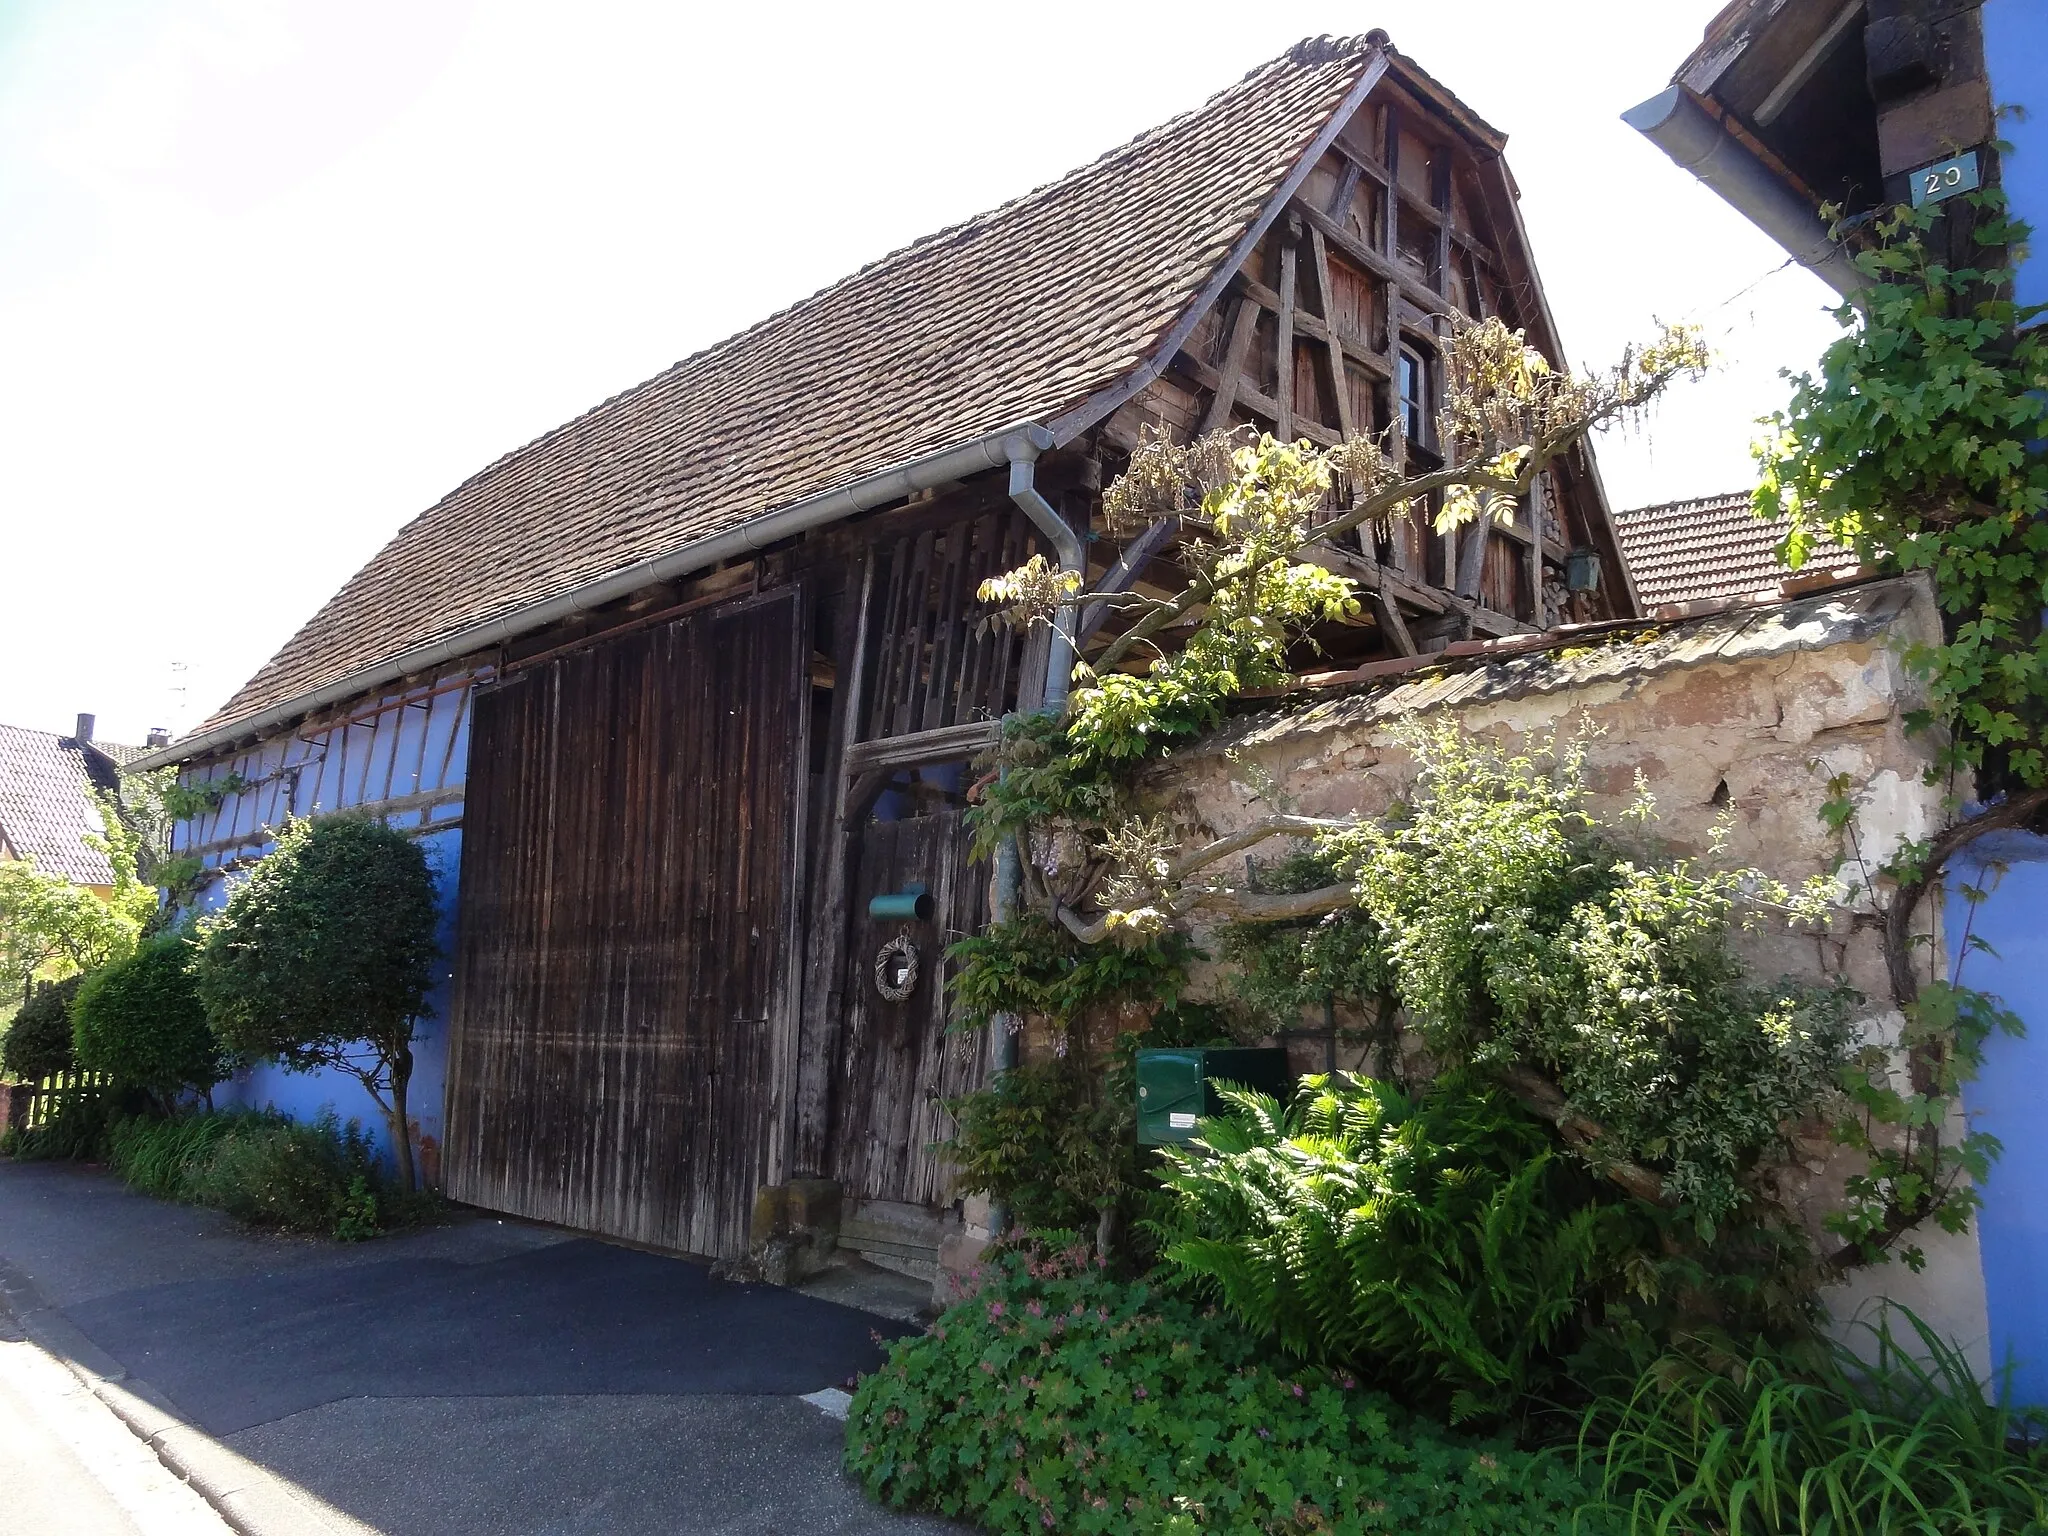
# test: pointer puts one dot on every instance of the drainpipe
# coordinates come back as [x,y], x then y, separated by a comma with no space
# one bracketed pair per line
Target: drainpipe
[1023,451]
[1677,124]
[1066,543]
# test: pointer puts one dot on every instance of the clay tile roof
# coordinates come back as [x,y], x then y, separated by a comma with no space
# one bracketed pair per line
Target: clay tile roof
[1680,551]
[46,809]
[1017,314]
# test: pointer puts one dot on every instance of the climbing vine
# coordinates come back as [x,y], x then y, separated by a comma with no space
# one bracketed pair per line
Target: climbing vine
[1920,445]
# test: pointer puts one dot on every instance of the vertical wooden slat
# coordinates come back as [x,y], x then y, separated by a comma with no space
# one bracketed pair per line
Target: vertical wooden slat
[629,861]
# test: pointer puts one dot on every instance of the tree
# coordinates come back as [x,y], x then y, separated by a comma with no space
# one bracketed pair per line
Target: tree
[139,1020]
[323,958]
[47,924]
[38,1043]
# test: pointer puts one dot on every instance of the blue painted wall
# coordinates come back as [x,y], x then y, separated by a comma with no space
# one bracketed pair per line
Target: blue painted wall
[2010,1098]
[405,759]
[2016,52]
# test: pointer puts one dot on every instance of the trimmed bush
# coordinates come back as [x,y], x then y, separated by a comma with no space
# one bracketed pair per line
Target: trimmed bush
[139,1020]
[1057,1399]
[38,1043]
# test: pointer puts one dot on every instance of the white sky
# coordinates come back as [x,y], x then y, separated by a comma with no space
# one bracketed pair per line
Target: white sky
[277,274]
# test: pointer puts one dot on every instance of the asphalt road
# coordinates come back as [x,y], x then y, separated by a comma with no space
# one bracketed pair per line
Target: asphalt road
[481,1377]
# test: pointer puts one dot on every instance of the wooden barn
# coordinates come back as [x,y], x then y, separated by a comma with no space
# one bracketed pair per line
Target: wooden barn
[676,689]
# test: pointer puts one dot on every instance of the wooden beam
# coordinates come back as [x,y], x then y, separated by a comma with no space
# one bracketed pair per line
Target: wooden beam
[1360,348]
[1395,628]
[1231,374]
[1320,250]
[914,749]
[1347,189]
[1123,575]
[1262,404]
[1380,266]
[1290,255]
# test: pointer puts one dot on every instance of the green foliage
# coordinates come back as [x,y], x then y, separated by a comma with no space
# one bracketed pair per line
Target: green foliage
[1913,446]
[1034,968]
[50,927]
[1056,1140]
[76,1132]
[1281,968]
[1895,1438]
[323,957]
[264,1169]
[1057,1399]
[140,1021]
[1518,932]
[1442,1248]
[182,802]
[38,1043]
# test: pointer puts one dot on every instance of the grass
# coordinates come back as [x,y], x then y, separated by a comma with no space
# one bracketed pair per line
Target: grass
[1896,1437]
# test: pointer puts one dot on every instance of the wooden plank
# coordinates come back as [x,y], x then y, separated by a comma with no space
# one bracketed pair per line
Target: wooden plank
[1243,322]
[947,744]
[1264,405]
[1354,249]
[1320,250]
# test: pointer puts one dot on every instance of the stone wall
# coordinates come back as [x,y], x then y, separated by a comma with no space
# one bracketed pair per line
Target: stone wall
[1741,716]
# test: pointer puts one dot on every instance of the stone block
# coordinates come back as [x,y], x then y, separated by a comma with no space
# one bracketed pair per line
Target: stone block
[812,1205]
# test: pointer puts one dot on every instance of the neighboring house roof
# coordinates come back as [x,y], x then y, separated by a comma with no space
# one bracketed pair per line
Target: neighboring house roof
[46,807]
[1022,313]
[1710,547]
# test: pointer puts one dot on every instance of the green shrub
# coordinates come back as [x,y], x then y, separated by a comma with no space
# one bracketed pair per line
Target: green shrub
[75,1132]
[323,957]
[163,1157]
[288,1175]
[264,1169]
[1442,1247]
[139,1020]
[1057,1399]
[38,1043]
[1897,1439]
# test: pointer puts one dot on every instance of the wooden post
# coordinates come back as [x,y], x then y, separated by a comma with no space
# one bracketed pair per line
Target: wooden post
[1283,390]
[1242,324]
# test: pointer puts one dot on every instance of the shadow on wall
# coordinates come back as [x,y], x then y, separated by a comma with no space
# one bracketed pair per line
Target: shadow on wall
[2006,1100]
[303,1095]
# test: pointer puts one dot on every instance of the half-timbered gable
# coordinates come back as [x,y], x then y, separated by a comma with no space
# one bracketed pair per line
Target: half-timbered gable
[682,687]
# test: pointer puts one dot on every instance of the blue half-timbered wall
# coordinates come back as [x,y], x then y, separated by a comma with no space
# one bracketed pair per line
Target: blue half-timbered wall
[401,754]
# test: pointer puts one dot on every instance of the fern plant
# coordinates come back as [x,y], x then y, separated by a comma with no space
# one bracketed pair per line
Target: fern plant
[1439,1246]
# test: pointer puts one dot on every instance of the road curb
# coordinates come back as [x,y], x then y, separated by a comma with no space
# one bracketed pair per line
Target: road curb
[251,1499]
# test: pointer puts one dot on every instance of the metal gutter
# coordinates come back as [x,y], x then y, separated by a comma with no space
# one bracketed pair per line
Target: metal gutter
[1067,544]
[1676,123]
[1021,441]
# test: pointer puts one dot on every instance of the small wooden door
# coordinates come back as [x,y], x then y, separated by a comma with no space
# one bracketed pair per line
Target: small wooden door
[627,930]
[897,1061]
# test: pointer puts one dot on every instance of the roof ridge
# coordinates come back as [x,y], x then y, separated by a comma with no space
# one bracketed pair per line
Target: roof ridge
[1684,501]
[1308,53]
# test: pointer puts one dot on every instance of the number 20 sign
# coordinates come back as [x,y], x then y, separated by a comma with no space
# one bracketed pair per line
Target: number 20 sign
[1933,183]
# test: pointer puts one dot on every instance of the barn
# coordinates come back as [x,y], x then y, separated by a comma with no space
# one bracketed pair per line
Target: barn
[674,691]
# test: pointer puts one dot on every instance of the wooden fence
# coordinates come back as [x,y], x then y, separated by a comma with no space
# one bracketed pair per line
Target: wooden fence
[26,1106]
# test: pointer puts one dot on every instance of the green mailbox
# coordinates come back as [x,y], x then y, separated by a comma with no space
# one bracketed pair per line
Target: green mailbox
[1177,1087]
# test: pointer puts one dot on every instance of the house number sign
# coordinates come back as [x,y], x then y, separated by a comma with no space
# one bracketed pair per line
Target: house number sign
[896,969]
[1934,183]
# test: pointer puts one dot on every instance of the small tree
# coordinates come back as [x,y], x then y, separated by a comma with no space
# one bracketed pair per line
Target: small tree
[140,1021]
[38,1043]
[323,957]
[48,926]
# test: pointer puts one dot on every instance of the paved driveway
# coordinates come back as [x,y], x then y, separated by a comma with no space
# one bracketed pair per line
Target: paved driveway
[482,1377]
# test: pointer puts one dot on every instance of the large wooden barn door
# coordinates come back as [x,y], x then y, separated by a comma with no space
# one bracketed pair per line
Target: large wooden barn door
[897,1062]
[625,948]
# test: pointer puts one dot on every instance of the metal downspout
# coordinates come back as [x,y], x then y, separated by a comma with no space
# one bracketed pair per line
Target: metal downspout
[1023,452]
